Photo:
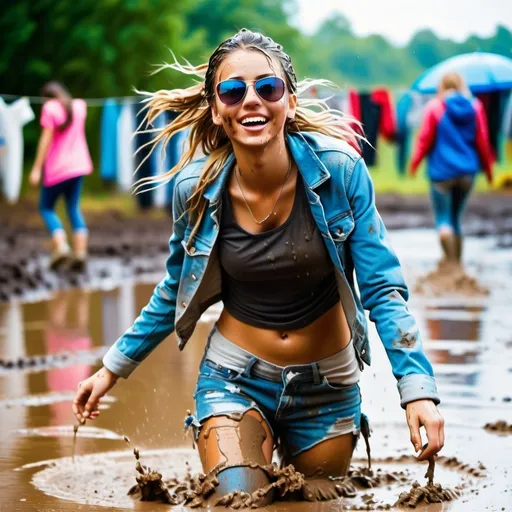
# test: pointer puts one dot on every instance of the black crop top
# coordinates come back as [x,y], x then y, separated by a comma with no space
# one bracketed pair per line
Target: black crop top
[281,279]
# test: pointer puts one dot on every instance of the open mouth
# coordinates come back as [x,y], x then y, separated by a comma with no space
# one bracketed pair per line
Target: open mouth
[253,122]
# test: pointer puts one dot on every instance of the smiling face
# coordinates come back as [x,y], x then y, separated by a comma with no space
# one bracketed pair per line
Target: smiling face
[253,122]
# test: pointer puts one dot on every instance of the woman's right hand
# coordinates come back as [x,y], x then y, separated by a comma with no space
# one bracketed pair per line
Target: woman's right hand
[89,393]
[34,177]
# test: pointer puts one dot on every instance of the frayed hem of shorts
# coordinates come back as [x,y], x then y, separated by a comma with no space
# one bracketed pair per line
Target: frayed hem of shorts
[354,430]
[196,424]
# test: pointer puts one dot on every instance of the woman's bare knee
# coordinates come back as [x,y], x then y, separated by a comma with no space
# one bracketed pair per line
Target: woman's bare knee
[329,458]
[228,440]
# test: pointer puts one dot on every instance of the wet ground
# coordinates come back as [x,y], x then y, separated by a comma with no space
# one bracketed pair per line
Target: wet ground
[48,346]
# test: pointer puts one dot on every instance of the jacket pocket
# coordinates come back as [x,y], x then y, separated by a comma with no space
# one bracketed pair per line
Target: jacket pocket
[198,247]
[341,226]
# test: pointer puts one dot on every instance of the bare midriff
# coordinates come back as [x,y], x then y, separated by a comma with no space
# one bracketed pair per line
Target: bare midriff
[324,337]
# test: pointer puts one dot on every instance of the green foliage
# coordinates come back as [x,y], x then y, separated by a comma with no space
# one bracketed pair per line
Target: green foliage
[109,47]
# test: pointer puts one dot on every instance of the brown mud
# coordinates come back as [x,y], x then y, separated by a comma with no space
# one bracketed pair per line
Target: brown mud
[499,427]
[468,341]
[449,278]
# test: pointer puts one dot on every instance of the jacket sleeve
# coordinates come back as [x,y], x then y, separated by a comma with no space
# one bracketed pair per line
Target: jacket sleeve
[426,137]
[156,320]
[483,145]
[384,292]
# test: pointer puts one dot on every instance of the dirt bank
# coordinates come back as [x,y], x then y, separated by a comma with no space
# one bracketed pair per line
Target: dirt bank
[24,243]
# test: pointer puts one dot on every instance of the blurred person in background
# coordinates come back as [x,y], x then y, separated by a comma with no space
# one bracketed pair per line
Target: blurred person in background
[454,138]
[62,160]
[273,221]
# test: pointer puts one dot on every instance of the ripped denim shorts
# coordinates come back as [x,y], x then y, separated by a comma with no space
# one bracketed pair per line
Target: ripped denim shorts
[303,404]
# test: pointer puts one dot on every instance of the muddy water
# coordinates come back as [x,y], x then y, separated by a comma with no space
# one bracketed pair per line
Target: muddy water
[47,347]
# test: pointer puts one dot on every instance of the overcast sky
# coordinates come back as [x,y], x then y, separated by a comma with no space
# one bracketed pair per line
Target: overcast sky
[399,19]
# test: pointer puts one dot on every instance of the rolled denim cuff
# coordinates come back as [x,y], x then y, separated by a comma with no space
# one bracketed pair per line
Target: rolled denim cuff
[115,361]
[417,386]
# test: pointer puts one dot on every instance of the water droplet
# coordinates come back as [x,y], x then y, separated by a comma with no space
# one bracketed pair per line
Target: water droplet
[286,243]
[298,276]
[295,257]
[307,238]
[266,242]
[307,273]
[271,257]
[306,256]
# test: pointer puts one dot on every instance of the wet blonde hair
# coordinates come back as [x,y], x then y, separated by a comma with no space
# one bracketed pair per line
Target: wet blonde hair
[452,81]
[194,107]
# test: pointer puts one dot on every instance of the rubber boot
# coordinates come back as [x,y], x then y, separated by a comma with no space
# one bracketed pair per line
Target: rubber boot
[60,252]
[79,262]
[447,241]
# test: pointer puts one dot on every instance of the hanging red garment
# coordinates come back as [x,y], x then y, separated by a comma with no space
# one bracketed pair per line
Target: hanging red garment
[387,123]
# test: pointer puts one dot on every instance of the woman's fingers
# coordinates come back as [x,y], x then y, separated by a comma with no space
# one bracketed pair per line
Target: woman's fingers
[435,435]
[414,429]
[81,398]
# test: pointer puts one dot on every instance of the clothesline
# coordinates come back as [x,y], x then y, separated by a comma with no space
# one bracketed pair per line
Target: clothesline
[99,102]
[91,102]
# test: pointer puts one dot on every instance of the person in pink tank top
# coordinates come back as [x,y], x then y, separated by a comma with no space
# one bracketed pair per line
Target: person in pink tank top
[62,160]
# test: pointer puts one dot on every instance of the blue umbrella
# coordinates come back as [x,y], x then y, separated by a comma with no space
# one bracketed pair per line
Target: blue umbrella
[482,72]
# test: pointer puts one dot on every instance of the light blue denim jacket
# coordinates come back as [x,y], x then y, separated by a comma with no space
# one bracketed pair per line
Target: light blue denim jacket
[342,202]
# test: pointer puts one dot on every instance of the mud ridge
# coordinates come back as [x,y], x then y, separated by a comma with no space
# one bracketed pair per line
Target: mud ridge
[499,427]
[449,278]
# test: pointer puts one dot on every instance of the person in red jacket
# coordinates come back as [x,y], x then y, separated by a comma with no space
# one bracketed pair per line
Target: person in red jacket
[455,140]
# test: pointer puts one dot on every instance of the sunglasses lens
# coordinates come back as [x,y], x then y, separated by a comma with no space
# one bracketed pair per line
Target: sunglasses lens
[231,92]
[270,89]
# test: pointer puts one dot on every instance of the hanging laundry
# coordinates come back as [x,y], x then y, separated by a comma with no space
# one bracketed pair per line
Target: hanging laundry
[108,140]
[161,163]
[387,122]
[494,104]
[507,129]
[403,132]
[13,117]
[370,118]
[125,147]
[143,139]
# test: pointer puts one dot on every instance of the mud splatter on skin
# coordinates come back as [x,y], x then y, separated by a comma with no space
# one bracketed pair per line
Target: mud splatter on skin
[499,427]
[407,340]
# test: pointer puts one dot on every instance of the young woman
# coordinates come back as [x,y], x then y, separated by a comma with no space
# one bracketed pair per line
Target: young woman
[454,136]
[273,221]
[62,160]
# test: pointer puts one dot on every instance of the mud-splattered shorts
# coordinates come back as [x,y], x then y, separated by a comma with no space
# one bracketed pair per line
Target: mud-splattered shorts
[302,404]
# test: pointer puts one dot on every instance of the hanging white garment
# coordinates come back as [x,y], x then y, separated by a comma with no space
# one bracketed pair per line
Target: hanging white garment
[160,163]
[12,119]
[125,148]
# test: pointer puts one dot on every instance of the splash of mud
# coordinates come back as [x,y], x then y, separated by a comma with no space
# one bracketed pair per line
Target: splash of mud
[449,278]
[430,493]
[199,491]
[499,427]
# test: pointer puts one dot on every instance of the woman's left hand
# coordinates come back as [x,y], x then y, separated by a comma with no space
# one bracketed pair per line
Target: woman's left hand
[425,413]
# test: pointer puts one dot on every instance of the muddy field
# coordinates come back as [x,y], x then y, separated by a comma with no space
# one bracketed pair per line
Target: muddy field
[53,335]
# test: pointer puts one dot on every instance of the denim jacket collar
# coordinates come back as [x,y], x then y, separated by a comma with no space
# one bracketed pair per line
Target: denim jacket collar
[312,170]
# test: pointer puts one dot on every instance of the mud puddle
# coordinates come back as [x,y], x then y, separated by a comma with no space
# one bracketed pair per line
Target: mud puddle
[104,479]
[466,337]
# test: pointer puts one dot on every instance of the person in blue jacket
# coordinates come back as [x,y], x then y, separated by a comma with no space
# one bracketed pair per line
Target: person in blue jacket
[274,221]
[455,140]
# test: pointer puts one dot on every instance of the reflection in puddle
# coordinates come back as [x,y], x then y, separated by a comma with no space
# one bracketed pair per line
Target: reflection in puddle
[67,431]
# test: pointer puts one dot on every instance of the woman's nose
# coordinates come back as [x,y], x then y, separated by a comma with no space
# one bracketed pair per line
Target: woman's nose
[251,96]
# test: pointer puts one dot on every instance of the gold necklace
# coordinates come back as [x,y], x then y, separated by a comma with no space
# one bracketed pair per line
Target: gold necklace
[259,222]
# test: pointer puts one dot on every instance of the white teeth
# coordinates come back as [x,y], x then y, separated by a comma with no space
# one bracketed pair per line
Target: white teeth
[254,120]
